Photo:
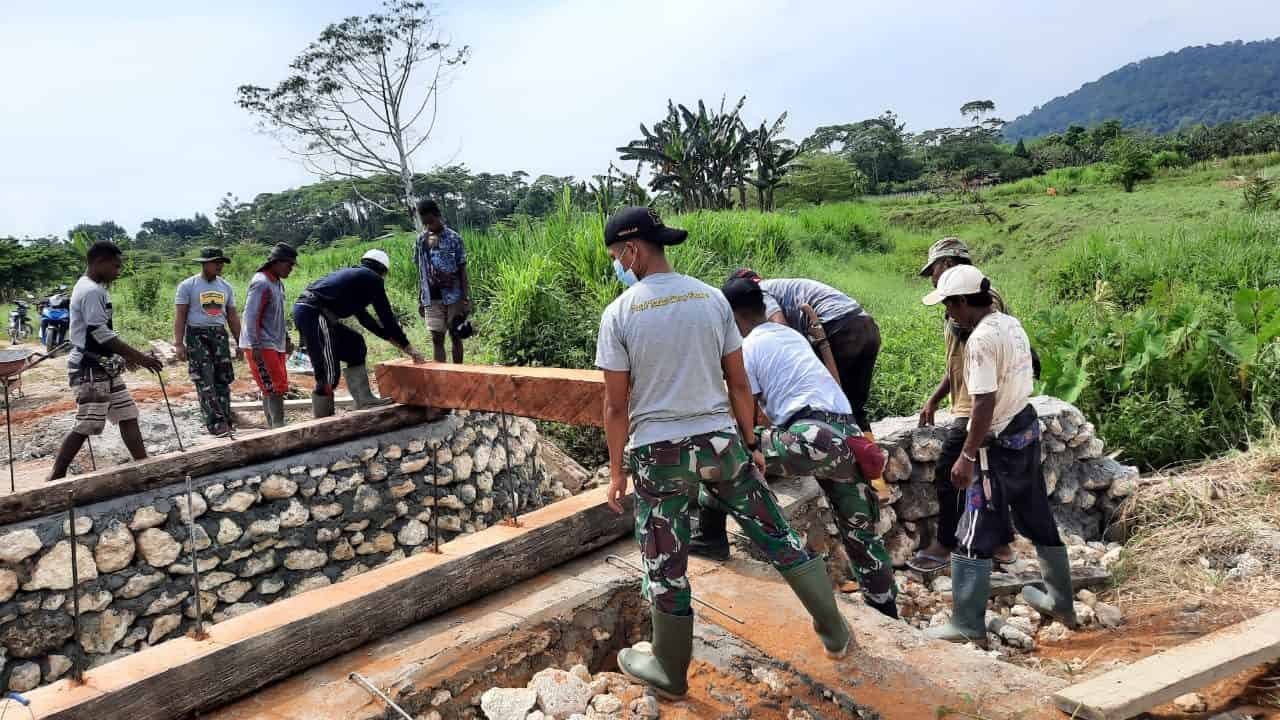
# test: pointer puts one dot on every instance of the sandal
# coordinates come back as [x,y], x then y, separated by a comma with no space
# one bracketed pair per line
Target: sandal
[926,563]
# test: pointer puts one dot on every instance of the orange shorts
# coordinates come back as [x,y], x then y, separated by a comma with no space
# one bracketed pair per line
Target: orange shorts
[269,372]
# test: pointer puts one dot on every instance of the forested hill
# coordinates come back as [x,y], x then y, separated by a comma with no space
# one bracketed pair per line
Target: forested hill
[1203,84]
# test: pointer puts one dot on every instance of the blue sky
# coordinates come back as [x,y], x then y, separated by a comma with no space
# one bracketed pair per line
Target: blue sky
[126,111]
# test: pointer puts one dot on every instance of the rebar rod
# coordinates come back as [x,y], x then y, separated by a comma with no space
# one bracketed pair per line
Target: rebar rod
[359,679]
[612,559]
[195,565]
[77,663]
[172,419]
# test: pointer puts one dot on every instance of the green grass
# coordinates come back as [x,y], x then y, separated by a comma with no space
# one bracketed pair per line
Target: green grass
[539,287]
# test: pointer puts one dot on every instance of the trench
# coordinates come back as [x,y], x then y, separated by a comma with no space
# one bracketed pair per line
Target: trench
[729,676]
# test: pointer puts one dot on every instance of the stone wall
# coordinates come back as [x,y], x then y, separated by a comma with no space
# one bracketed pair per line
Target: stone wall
[262,532]
[1085,485]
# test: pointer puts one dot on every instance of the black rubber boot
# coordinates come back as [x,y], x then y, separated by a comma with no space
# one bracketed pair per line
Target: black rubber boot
[810,583]
[970,590]
[889,607]
[666,669]
[711,541]
[1057,600]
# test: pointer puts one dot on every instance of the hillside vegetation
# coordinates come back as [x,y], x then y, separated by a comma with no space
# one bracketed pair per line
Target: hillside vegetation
[1207,84]
[1144,305]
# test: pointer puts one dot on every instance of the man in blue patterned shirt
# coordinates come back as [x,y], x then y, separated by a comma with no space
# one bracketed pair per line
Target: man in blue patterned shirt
[444,294]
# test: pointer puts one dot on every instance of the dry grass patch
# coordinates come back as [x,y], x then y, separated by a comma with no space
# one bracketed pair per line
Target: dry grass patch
[1206,532]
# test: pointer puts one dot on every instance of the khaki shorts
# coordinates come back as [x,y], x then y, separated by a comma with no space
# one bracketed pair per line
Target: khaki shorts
[440,317]
[100,398]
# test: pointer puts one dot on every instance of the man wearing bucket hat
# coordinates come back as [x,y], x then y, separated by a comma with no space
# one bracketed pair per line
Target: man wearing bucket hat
[205,308]
[318,313]
[998,470]
[945,254]
[678,406]
[265,336]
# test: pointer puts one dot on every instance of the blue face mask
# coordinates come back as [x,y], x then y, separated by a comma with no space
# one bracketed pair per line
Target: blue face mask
[625,276]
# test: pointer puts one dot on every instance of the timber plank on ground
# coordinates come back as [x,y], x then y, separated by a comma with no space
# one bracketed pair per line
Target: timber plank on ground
[1134,689]
[172,468]
[1082,578]
[575,397]
[256,405]
[185,676]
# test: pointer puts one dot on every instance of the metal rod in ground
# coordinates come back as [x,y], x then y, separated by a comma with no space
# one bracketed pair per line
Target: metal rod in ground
[8,431]
[514,519]
[612,559]
[435,503]
[359,679]
[195,565]
[172,419]
[77,662]
[93,461]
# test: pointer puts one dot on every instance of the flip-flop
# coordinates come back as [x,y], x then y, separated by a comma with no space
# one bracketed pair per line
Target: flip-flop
[926,563]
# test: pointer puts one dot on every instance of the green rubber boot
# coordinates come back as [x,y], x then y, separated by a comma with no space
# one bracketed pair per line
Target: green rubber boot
[358,384]
[810,583]
[321,405]
[970,589]
[276,405]
[666,669]
[1058,601]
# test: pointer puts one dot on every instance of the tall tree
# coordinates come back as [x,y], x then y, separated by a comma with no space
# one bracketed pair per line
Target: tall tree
[363,98]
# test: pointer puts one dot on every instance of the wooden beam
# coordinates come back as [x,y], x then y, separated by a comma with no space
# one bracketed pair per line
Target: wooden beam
[256,405]
[575,397]
[172,468]
[1136,688]
[1082,578]
[182,677]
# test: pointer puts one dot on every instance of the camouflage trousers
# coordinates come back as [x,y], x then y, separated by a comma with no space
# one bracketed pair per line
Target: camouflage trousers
[715,470]
[209,364]
[816,446]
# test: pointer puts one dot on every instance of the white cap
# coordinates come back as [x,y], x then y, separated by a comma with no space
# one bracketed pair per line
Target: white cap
[959,280]
[377,256]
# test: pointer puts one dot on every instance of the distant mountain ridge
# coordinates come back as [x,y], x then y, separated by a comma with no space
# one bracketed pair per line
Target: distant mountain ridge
[1206,84]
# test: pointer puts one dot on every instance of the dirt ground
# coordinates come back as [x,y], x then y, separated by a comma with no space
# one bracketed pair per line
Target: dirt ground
[1254,693]
[42,410]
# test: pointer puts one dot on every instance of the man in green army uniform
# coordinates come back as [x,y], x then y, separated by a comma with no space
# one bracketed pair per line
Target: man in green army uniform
[205,307]
[674,384]
[812,423]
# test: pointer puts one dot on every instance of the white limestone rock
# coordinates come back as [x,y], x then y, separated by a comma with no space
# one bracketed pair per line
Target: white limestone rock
[53,571]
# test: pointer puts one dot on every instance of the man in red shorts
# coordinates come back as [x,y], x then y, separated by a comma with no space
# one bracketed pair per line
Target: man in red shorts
[264,334]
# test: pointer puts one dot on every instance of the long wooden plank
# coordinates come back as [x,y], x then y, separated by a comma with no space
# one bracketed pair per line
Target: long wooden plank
[575,397]
[182,677]
[255,405]
[168,469]
[1152,681]
[1082,578]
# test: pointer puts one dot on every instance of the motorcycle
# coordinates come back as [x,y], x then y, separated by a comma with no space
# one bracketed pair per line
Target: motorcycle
[55,318]
[19,323]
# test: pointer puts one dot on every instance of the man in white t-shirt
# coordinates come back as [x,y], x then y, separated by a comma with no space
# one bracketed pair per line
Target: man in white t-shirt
[676,400]
[999,466]
[812,431]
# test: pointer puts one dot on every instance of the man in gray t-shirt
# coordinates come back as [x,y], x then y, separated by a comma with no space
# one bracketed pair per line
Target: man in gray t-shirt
[204,307]
[851,332]
[668,347]
[95,366]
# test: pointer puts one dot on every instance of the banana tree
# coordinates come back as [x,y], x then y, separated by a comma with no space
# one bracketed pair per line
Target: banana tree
[773,156]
